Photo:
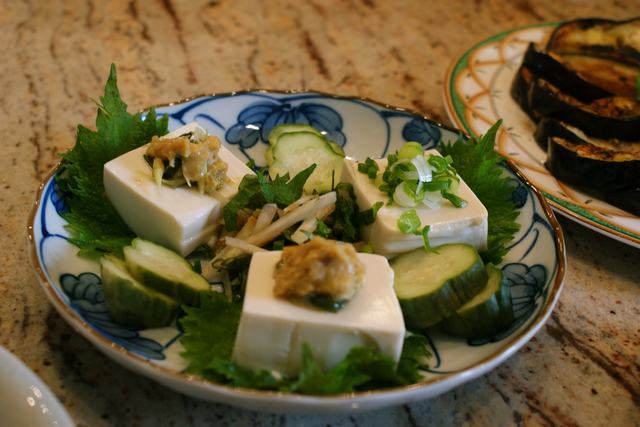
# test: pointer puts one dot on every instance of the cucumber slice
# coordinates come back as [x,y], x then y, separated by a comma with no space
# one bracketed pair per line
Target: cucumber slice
[295,151]
[129,302]
[487,314]
[165,271]
[269,155]
[433,285]
[280,130]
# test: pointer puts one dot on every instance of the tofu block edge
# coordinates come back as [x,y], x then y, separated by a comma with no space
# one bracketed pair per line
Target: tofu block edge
[448,224]
[178,218]
[272,330]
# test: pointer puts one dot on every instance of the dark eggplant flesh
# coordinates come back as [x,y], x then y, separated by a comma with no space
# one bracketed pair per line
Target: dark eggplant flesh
[551,67]
[600,165]
[614,117]
[617,40]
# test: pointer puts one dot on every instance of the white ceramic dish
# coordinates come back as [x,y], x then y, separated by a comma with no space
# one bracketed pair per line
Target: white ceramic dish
[534,265]
[24,399]
[476,95]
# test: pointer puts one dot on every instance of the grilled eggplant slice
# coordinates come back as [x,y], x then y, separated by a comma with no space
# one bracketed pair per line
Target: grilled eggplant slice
[607,118]
[629,200]
[617,40]
[520,90]
[597,164]
[615,77]
[551,67]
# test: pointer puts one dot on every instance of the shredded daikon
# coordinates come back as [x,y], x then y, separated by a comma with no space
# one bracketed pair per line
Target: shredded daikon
[242,245]
[307,210]
[267,213]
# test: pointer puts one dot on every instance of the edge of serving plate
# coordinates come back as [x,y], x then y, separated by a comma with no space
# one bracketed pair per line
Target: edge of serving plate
[275,401]
[564,207]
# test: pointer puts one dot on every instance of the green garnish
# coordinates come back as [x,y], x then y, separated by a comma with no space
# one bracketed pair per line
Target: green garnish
[409,222]
[410,176]
[369,216]
[425,238]
[410,150]
[322,230]
[455,200]
[93,223]
[369,167]
[209,335]
[480,167]
[638,87]
[255,191]
[326,303]
[209,331]
[346,219]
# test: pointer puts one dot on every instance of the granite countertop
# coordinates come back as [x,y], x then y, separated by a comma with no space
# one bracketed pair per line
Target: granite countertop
[582,368]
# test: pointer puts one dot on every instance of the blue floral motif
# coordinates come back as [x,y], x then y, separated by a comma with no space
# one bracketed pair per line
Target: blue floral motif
[86,296]
[519,194]
[58,199]
[256,122]
[422,131]
[527,285]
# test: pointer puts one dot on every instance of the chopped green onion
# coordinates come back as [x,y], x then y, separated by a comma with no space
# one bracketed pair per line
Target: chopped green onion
[432,199]
[409,222]
[455,200]
[325,302]
[369,216]
[425,238]
[404,196]
[438,184]
[423,169]
[369,167]
[410,150]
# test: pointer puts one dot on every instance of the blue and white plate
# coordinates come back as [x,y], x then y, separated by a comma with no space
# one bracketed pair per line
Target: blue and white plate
[534,265]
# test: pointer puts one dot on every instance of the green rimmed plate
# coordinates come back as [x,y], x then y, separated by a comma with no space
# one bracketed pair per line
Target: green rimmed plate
[476,94]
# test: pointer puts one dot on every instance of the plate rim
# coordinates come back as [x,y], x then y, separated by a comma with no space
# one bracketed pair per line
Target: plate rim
[333,403]
[58,412]
[559,205]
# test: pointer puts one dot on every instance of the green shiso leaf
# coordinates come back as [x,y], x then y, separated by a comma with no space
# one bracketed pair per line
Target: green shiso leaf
[93,222]
[209,333]
[479,166]
[257,190]
[346,220]
[209,336]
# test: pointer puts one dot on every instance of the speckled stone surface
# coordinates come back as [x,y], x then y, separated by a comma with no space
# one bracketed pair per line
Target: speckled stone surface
[582,368]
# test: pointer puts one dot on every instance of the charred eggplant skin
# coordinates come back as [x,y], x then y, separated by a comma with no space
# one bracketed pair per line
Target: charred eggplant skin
[545,101]
[563,39]
[546,66]
[539,98]
[629,200]
[565,162]
[520,90]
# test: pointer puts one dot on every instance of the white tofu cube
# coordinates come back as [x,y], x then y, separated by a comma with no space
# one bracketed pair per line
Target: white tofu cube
[178,218]
[272,331]
[448,224]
